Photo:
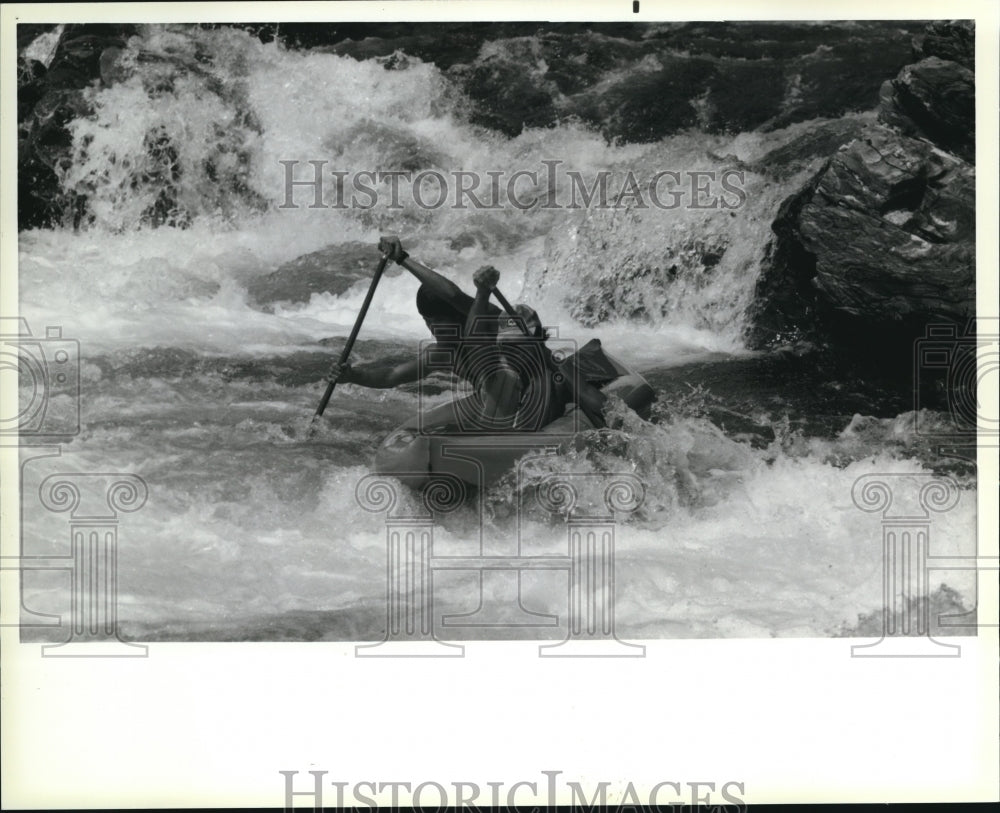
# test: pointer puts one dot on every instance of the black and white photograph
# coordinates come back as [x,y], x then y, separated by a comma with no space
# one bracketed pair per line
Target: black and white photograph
[424,337]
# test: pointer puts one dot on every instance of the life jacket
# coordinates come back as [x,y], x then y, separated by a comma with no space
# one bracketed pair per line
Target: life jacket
[591,364]
[549,390]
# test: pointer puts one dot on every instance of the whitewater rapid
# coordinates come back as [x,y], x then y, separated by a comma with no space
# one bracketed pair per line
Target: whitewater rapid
[252,529]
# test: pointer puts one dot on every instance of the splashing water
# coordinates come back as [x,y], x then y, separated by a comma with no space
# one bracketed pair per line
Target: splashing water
[194,131]
[252,530]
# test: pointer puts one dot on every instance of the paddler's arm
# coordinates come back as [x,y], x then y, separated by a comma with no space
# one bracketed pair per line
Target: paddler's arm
[485,280]
[382,375]
[378,375]
[440,286]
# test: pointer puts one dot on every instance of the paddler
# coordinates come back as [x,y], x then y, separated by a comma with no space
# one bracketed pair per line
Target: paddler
[502,356]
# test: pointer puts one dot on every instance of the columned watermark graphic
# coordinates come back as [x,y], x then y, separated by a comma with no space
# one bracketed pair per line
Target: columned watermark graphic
[93,503]
[409,540]
[590,561]
[959,368]
[907,504]
[45,371]
[411,563]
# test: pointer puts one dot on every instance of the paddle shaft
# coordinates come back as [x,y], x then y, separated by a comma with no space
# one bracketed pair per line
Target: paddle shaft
[510,309]
[354,334]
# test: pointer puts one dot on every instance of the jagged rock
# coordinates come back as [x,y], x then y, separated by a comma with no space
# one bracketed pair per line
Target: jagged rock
[880,243]
[333,269]
[949,39]
[822,140]
[784,308]
[935,99]
[892,226]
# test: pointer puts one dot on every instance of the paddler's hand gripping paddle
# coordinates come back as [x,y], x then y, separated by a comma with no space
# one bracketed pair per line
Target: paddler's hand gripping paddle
[350,339]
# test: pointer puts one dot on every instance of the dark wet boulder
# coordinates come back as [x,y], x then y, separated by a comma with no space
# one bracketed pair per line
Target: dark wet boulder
[954,40]
[820,141]
[934,99]
[785,301]
[880,243]
[892,227]
[332,270]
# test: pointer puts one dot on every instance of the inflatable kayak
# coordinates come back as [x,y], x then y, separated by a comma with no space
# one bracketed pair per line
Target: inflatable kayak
[439,442]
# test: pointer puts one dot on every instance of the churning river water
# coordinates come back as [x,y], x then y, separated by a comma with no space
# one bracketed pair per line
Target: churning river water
[252,530]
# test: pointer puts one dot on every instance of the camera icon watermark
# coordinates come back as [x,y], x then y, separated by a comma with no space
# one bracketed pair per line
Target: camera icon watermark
[955,368]
[46,373]
[502,380]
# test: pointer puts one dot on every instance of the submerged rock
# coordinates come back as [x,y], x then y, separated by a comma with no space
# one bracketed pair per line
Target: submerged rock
[333,270]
